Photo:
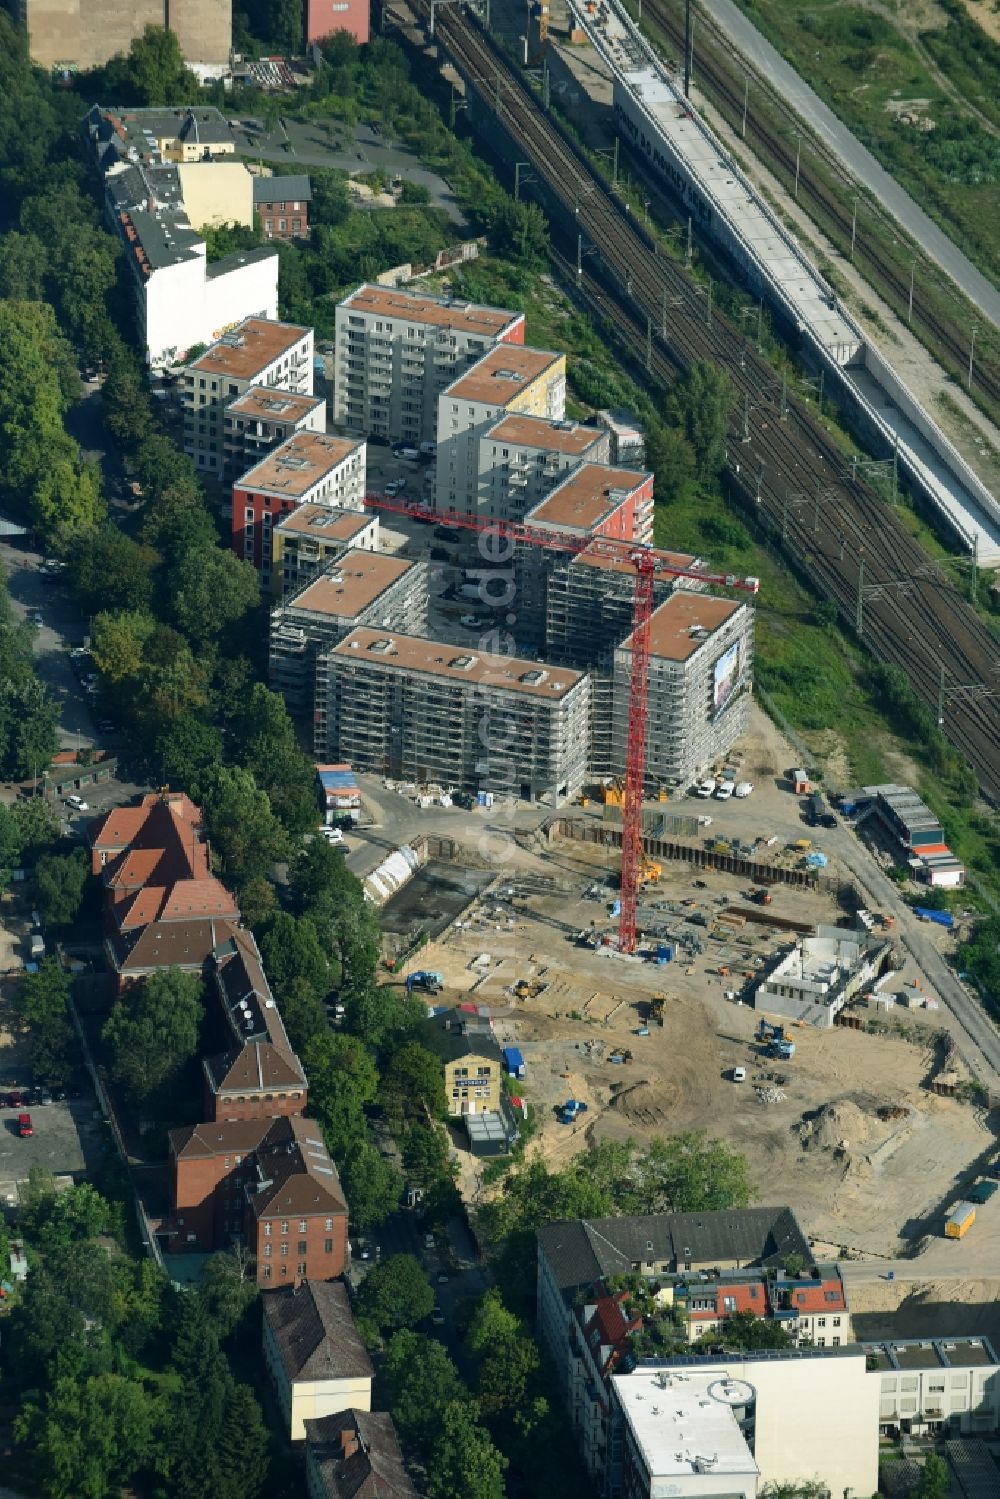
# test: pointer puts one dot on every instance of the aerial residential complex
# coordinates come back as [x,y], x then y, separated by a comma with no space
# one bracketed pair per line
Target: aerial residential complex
[256,352]
[163,177]
[396,351]
[308,469]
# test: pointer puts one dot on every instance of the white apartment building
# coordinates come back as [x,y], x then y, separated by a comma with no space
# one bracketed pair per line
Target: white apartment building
[259,351]
[355,588]
[509,379]
[936,1386]
[180,299]
[521,458]
[700,671]
[260,419]
[396,351]
[801,1416]
[422,710]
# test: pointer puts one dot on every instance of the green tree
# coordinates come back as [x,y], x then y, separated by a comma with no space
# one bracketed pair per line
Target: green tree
[291,949]
[55,1219]
[425,1155]
[520,232]
[744,1331]
[212,592]
[464,1464]
[935,1479]
[690,1173]
[413,1084]
[87,1441]
[421,1383]
[43,995]
[246,836]
[154,71]
[372,1185]
[10,846]
[264,743]
[671,456]
[186,750]
[37,824]
[242,1454]
[342,1081]
[110,572]
[698,405]
[59,884]
[153,1031]
[505,1357]
[29,725]
[395,1294]
[228,1289]
[118,643]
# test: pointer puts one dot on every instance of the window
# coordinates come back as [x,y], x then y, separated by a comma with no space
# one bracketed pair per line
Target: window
[303,1246]
[284,1226]
[284,1250]
[820,1321]
[301,1267]
[267,1251]
[836,1321]
[267,1272]
[821,1342]
[327,1246]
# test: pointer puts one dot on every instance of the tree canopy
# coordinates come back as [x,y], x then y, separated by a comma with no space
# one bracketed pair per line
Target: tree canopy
[153,1031]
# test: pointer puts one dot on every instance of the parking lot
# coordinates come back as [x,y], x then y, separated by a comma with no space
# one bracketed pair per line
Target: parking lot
[68,1138]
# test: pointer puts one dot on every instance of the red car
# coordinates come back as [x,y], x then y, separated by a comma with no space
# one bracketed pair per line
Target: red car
[24,1128]
[15,1100]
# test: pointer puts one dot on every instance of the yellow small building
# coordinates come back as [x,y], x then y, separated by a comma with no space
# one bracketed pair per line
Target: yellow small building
[473,1066]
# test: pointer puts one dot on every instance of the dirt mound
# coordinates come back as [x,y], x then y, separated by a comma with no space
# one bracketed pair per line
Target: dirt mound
[838,1126]
[639,1102]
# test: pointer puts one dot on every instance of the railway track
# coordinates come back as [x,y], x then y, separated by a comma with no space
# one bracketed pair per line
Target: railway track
[781,463]
[726,92]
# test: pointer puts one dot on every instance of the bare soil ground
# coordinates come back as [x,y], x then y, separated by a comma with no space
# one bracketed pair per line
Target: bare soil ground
[884,1309]
[847,1132]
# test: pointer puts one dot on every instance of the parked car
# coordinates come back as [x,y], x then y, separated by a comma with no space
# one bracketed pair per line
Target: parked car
[472,622]
[394,487]
[437,1316]
[724,790]
[24,1128]
[428,449]
[77,803]
[743,789]
[704,788]
[332,835]
[15,1099]
[406,451]
[739,1074]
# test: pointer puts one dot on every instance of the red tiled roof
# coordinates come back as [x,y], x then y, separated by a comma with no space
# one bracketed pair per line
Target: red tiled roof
[818,1296]
[747,1296]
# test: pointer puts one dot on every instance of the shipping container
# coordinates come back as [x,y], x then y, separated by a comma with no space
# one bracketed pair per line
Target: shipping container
[514,1062]
[959,1220]
[982,1191]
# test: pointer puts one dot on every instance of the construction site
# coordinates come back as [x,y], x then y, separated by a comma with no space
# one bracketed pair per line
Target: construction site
[869,1128]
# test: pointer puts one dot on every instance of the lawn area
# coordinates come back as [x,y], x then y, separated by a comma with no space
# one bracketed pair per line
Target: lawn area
[920,85]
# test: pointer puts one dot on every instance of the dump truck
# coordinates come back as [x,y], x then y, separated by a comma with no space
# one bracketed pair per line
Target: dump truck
[959,1220]
[657,1005]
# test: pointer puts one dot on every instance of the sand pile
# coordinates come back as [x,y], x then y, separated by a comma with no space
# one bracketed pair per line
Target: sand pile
[840,1125]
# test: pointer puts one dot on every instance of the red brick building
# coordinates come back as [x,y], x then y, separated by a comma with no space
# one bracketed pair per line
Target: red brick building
[257,1076]
[282,206]
[266,1183]
[163,907]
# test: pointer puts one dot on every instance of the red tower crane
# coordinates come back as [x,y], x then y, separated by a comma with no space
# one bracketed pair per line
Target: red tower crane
[647,563]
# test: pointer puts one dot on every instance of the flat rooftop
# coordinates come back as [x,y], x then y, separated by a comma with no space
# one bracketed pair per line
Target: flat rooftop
[667,560]
[685,622]
[325,524]
[571,438]
[413,653]
[931,1353]
[271,403]
[300,462]
[685,1424]
[350,584]
[502,374]
[433,312]
[587,496]
[248,349]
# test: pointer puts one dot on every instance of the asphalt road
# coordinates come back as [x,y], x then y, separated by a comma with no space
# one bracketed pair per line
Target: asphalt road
[835,135]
